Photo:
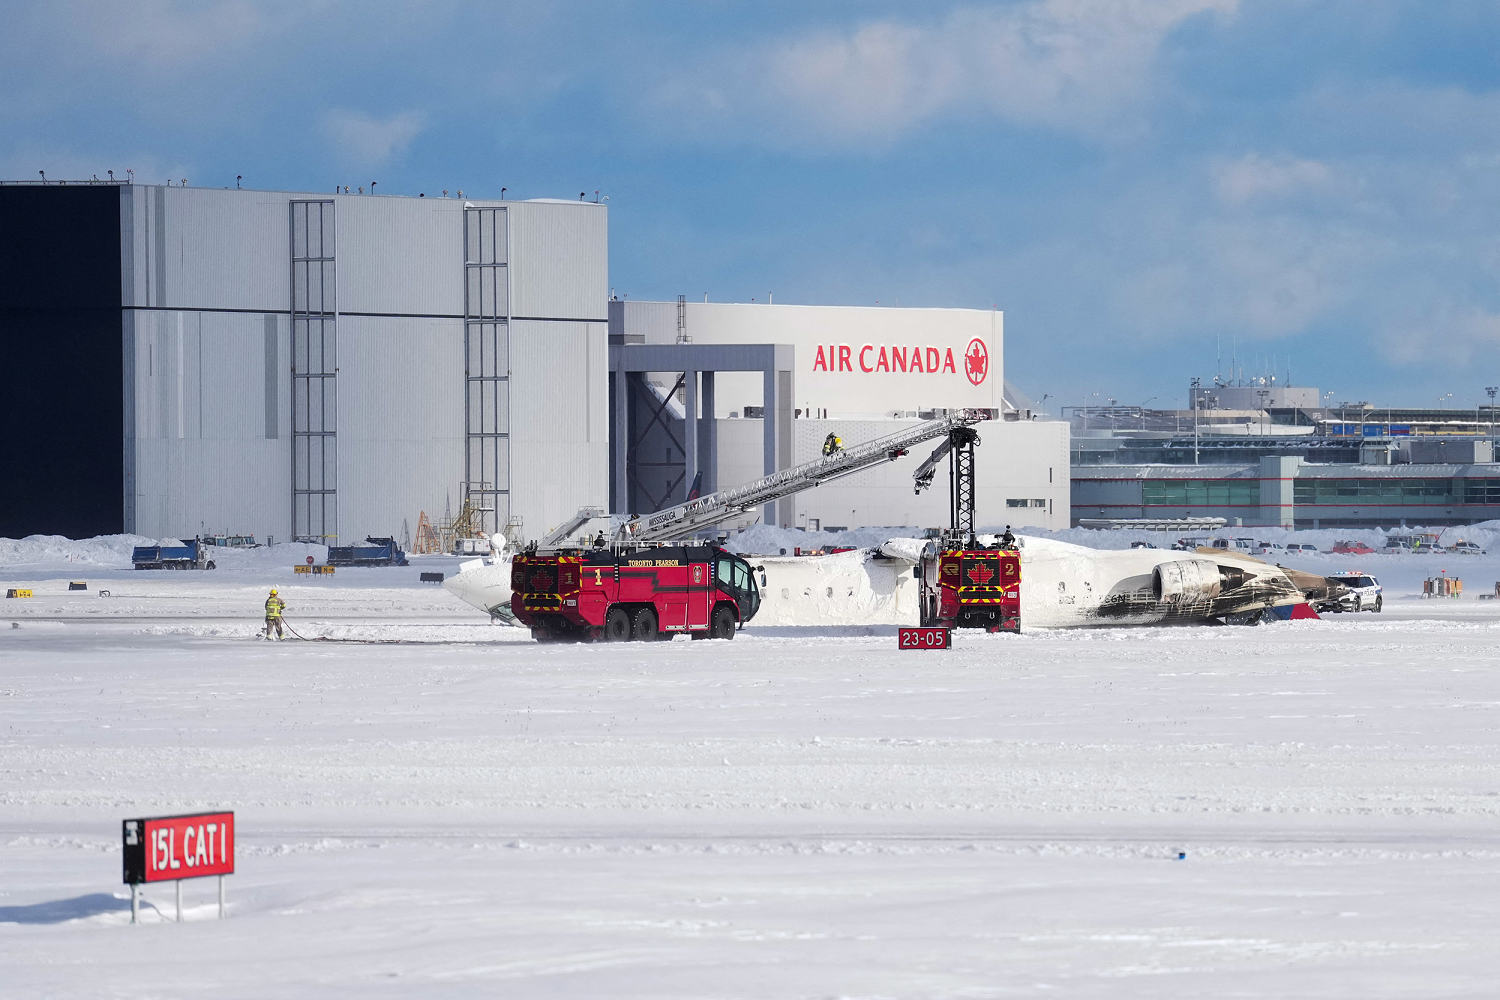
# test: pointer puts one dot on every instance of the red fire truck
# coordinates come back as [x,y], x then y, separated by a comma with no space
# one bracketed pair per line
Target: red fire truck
[633,593]
[971,587]
[964,584]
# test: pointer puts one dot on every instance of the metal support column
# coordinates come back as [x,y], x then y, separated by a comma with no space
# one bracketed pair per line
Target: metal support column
[768,439]
[619,499]
[689,432]
[708,442]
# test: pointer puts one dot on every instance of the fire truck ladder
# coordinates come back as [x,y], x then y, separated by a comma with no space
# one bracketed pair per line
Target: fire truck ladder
[686,519]
[959,450]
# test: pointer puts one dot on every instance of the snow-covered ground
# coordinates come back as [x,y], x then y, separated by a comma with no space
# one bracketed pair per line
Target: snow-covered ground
[801,812]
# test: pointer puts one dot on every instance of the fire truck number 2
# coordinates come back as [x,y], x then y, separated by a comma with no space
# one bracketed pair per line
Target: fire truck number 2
[203,846]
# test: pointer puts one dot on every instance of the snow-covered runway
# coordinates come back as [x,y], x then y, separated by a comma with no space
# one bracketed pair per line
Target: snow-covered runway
[798,812]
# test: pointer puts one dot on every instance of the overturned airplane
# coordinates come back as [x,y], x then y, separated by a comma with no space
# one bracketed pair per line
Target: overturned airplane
[1062,586]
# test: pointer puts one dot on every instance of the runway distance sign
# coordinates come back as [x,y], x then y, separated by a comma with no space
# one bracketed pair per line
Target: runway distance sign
[166,848]
[932,637]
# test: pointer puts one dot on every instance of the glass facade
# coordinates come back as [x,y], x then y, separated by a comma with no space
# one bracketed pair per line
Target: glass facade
[1382,491]
[1200,492]
[1481,491]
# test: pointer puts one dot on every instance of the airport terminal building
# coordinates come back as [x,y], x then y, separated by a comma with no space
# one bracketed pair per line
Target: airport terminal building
[1297,461]
[332,365]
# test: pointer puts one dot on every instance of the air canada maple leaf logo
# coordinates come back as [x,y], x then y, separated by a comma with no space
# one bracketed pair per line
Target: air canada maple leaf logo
[976,361]
[980,574]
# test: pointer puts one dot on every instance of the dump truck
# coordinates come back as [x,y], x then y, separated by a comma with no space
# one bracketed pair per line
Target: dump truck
[372,552]
[192,553]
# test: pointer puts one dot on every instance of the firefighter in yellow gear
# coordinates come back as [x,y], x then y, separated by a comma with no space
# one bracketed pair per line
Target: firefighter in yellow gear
[832,445]
[274,607]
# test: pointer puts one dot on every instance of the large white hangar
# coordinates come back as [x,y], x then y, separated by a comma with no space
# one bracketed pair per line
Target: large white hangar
[328,365]
[302,364]
[765,384]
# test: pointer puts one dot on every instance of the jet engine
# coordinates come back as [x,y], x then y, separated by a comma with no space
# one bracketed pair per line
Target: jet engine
[1193,582]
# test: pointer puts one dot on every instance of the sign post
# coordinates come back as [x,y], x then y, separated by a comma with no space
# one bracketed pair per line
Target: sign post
[173,848]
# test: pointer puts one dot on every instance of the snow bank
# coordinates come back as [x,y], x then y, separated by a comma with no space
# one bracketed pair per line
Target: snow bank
[847,588]
[109,551]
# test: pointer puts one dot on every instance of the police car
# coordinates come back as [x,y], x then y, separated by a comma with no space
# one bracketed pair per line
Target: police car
[1363,593]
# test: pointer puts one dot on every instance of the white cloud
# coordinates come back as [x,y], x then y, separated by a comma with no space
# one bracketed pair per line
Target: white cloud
[161,35]
[363,138]
[1076,65]
[1445,335]
[1254,176]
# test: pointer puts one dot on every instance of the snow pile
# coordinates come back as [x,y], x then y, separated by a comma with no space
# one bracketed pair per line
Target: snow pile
[760,539]
[847,588]
[109,551]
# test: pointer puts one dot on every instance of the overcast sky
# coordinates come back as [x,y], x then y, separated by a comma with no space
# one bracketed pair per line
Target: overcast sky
[1145,187]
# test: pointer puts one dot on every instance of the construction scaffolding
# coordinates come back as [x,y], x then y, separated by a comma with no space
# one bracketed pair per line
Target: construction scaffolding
[446,534]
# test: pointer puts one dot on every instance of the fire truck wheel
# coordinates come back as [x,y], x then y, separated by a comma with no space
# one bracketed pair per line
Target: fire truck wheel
[643,627]
[722,624]
[617,625]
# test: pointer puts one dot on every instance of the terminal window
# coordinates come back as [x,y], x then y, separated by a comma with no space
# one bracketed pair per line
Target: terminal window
[1388,491]
[1200,492]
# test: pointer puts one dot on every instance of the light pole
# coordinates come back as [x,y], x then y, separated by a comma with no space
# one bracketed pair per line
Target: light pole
[1143,411]
[1263,393]
[1491,390]
[1197,390]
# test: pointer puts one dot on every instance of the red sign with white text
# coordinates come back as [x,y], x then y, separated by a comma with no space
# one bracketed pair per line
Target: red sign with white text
[926,637]
[166,848]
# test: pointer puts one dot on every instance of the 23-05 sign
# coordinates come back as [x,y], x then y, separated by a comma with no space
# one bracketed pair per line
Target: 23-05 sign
[930,637]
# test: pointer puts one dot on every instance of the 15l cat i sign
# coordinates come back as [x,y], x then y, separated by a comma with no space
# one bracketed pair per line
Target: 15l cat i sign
[165,848]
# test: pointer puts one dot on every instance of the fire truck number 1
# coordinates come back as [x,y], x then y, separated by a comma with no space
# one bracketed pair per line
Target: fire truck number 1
[200,847]
[926,638]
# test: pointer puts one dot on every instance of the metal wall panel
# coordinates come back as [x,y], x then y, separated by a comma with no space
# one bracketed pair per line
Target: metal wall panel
[401,255]
[559,449]
[202,459]
[559,260]
[401,422]
[196,248]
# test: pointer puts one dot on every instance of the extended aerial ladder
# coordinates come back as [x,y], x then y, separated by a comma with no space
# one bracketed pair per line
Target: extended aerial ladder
[958,448]
[693,517]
